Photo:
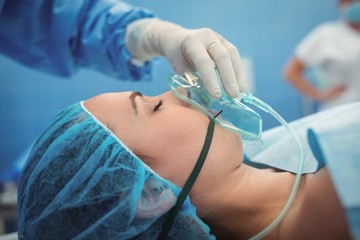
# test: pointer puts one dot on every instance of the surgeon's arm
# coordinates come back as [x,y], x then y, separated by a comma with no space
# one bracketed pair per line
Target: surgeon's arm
[58,36]
[294,74]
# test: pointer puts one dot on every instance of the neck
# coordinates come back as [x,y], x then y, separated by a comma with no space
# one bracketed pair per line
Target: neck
[252,204]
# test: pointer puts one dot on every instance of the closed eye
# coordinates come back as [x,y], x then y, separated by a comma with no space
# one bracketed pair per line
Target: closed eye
[158,105]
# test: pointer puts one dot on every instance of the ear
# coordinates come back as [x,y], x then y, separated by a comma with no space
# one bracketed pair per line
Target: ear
[156,199]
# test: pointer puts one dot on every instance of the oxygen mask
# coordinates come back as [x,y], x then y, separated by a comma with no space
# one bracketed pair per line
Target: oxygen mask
[235,115]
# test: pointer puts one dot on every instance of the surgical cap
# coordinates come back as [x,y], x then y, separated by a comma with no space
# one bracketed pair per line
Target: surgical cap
[82,182]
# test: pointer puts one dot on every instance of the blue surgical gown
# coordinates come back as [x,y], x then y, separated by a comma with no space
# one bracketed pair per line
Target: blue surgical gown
[59,36]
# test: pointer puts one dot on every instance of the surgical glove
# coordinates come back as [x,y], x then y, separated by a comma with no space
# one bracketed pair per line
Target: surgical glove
[200,49]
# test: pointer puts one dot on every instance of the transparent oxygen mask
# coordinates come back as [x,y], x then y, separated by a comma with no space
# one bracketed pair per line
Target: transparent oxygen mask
[235,115]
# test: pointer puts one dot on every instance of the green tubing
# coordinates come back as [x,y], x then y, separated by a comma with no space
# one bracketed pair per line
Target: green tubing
[249,98]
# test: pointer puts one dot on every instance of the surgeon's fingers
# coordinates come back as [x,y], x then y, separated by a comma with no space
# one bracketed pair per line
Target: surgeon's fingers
[237,64]
[182,65]
[224,64]
[201,60]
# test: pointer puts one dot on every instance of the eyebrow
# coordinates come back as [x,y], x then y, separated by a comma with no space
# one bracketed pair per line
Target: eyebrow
[132,97]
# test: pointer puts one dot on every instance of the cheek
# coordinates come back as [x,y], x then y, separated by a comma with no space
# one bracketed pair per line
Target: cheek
[226,151]
[174,147]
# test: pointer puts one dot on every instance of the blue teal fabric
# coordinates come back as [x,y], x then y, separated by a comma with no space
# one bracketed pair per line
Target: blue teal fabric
[279,149]
[60,36]
[1,4]
[337,143]
[82,182]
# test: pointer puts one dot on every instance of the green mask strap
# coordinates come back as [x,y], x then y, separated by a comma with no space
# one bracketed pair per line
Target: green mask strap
[190,182]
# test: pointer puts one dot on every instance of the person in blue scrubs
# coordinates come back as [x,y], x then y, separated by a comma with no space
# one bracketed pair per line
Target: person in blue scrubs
[113,37]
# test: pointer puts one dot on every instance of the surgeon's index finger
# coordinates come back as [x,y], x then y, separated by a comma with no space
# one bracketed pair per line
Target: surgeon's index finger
[237,64]
[205,65]
[222,60]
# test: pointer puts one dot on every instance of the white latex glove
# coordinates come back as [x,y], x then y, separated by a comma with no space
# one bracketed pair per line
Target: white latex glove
[187,50]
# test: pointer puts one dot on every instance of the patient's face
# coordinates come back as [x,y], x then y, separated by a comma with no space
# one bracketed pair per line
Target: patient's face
[168,138]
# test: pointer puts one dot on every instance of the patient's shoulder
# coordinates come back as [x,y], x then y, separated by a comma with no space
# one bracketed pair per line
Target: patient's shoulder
[318,203]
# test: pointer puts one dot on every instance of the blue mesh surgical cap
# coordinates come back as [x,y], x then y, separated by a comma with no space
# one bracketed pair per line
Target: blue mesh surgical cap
[81,182]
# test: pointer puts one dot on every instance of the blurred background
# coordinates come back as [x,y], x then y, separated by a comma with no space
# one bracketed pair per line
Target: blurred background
[265,32]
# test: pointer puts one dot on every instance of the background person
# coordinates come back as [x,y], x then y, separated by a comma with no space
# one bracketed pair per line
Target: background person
[333,50]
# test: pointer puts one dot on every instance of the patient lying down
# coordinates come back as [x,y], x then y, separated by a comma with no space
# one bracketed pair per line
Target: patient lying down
[113,166]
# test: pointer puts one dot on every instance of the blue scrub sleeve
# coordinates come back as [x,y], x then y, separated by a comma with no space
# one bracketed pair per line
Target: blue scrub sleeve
[1,4]
[59,36]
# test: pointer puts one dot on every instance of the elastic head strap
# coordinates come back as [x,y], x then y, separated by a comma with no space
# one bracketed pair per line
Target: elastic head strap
[189,183]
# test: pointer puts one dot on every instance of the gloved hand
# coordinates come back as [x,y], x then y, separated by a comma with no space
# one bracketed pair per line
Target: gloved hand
[187,50]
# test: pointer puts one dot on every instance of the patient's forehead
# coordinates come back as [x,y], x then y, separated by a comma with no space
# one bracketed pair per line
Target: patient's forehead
[109,104]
